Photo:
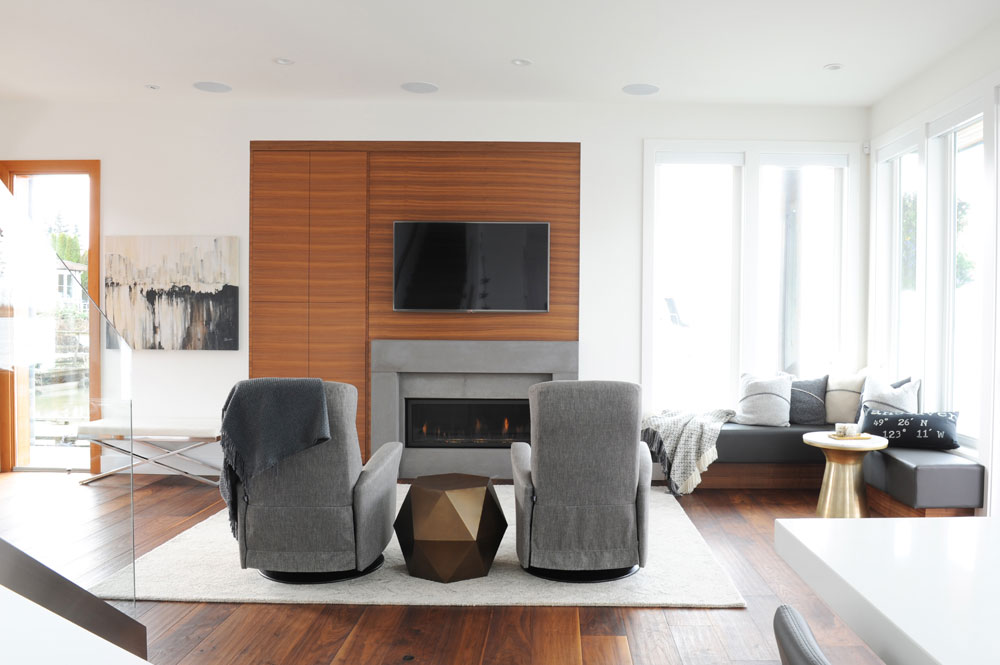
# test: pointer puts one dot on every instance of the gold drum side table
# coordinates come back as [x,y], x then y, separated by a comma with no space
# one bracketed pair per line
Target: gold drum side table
[843,490]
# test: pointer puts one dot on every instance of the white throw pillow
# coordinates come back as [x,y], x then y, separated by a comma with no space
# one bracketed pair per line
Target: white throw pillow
[880,395]
[764,401]
[843,397]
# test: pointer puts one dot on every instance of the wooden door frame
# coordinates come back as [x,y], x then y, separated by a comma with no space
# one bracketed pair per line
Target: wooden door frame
[8,430]
[10,169]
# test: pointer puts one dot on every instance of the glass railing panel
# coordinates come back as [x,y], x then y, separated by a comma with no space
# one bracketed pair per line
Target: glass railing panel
[65,389]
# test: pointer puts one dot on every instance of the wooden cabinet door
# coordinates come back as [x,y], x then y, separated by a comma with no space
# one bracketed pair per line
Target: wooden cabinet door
[279,339]
[279,226]
[338,233]
[338,352]
[338,274]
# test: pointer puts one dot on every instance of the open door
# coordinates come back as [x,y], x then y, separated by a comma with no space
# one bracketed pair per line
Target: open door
[40,402]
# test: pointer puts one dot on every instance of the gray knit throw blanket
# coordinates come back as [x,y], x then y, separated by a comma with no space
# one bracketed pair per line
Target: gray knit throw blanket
[263,422]
[684,444]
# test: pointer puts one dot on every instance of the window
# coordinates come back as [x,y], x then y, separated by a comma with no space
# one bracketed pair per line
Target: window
[966,241]
[932,215]
[697,214]
[899,317]
[797,253]
[743,267]
[908,313]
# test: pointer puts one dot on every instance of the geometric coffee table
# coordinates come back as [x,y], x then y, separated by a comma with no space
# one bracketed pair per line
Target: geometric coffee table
[450,526]
[843,491]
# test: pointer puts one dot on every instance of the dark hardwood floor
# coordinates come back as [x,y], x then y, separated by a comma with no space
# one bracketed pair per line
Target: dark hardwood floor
[83,532]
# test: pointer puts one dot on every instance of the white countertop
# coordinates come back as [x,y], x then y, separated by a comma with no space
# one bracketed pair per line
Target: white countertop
[33,634]
[918,591]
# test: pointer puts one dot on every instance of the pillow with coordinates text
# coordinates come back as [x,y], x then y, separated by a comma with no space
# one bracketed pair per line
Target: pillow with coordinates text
[931,431]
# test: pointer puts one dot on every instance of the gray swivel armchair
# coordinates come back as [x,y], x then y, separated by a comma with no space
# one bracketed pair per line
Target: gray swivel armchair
[318,515]
[582,486]
[796,644]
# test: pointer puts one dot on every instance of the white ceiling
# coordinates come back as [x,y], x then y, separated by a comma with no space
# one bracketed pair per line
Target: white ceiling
[752,51]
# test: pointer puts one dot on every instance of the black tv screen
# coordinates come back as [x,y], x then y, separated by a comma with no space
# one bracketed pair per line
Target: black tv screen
[471,266]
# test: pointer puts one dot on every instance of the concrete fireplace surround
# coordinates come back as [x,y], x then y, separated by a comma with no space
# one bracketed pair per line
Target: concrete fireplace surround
[457,369]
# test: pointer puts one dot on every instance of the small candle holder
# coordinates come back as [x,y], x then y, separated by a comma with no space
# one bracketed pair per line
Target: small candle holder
[847,429]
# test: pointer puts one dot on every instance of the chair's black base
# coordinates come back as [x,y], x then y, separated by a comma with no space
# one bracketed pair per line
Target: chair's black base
[583,576]
[321,577]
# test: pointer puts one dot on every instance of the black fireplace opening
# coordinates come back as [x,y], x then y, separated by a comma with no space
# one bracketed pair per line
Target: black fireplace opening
[466,423]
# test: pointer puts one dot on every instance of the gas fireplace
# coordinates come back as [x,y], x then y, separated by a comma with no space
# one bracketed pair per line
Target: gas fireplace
[466,423]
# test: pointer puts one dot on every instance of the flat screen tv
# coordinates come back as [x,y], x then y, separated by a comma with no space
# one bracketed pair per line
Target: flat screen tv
[471,266]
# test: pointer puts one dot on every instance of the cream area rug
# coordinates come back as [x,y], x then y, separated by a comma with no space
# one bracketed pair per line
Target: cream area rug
[202,565]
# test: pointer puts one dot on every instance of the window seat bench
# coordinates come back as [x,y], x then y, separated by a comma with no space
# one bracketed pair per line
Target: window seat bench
[905,482]
[901,482]
[761,457]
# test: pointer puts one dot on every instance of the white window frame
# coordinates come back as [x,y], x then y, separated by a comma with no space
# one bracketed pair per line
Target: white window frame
[849,312]
[980,98]
[940,182]
[885,258]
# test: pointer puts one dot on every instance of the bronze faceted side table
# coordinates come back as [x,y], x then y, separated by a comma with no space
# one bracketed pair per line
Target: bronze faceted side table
[450,527]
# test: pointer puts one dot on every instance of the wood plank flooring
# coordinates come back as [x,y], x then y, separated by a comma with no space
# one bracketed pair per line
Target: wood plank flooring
[83,532]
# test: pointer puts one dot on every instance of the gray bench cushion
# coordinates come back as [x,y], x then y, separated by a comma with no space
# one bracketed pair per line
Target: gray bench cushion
[757,444]
[926,478]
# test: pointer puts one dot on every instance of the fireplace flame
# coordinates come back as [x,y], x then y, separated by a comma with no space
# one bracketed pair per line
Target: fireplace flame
[506,425]
[423,429]
[479,426]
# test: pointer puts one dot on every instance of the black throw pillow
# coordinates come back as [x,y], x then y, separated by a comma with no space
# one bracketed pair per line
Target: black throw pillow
[931,431]
[808,402]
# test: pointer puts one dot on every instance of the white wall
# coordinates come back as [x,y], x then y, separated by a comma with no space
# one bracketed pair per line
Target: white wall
[977,58]
[184,169]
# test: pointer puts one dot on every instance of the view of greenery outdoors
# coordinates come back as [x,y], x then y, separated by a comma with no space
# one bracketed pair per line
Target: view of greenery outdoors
[970,238]
[909,342]
[58,206]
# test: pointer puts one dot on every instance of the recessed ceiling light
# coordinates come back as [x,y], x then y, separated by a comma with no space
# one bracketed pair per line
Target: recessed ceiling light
[640,89]
[833,66]
[521,62]
[283,61]
[212,86]
[152,86]
[419,87]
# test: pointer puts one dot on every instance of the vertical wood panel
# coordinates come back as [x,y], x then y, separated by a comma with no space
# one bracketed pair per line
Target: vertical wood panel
[499,185]
[649,637]
[279,343]
[279,226]
[22,416]
[510,636]
[555,636]
[338,260]
[7,417]
[96,321]
[337,352]
[338,237]
[372,636]
[605,650]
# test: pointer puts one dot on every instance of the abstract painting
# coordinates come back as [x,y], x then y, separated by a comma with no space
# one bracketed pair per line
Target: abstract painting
[173,292]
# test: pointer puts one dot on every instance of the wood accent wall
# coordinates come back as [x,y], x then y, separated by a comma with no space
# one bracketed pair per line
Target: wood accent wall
[321,216]
[476,187]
